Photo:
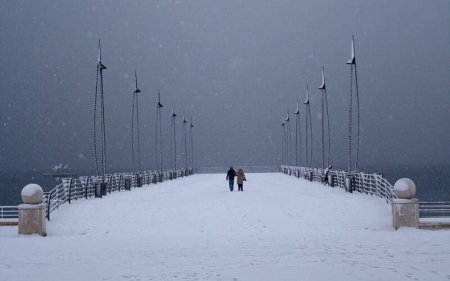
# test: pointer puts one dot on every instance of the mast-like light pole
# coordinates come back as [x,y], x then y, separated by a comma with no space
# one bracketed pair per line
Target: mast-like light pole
[99,97]
[173,140]
[308,137]
[135,116]
[185,142]
[352,63]
[297,135]
[325,115]
[288,138]
[191,142]
[283,141]
[158,132]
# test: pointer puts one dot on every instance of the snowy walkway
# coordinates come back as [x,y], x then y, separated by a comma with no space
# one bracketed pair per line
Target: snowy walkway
[279,228]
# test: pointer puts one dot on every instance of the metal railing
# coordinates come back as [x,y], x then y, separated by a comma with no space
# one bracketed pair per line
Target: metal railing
[369,183]
[88,186]
[436,209]
[9,213]
[92,186]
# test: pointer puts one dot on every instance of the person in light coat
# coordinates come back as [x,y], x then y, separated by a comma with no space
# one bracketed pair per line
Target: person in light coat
[240,179]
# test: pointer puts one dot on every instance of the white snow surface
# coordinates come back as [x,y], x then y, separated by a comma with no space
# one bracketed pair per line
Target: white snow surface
[194,228]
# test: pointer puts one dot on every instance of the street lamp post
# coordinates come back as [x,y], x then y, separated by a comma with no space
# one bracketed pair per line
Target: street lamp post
[191,142]
[173,140]
[185,143]
[135,116]
[308,134]
[298,138]
[158,132]
[99,109]
[325,115]
[352,63]
[288,138]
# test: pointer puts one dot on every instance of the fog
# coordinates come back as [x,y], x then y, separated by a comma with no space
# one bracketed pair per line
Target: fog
[235,67]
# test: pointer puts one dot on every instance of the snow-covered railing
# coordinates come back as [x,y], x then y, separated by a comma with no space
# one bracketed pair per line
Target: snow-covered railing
[9,212]
[95,186]
[434,209]
[369,183]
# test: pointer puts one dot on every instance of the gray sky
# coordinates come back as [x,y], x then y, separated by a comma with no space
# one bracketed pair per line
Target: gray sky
[234,66]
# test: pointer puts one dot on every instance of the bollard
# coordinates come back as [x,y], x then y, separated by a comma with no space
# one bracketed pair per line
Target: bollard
[139,180]
[310,176]
[405,209]
[103,187]
[32,212]
[98,190]
[127,184]
[331,180]
[349,183]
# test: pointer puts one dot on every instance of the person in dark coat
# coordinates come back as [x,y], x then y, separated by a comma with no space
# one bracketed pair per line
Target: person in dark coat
[230,177]
[325,175]
[240,179]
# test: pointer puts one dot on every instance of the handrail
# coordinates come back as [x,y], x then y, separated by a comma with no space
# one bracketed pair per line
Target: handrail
[434,209]
[368,183]
[9,212]
[74,188]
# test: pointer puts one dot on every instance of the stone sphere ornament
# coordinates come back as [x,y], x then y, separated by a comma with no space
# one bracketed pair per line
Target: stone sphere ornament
[32,194]
[405,188]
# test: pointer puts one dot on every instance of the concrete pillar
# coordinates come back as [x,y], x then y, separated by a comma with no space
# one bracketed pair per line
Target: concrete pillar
[32,212]
[32,219]
[127,183]
[405,213]
[405,209]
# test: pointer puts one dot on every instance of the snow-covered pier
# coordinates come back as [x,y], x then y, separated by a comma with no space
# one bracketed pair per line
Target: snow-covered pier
[194,228]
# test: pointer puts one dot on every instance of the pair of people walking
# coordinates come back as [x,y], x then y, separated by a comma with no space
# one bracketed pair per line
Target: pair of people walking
[231,174]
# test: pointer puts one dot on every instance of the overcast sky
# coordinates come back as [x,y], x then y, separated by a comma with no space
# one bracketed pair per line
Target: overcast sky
[234,66]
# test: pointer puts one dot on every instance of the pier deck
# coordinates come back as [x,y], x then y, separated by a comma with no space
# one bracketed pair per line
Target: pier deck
[194,228]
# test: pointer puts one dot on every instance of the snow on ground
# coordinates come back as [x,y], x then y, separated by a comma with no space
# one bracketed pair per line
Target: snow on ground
[194,228]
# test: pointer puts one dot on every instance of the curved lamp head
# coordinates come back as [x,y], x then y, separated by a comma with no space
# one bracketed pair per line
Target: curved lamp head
[136,89]
[307,95]
[100,65]
[322,85]
[352,59]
